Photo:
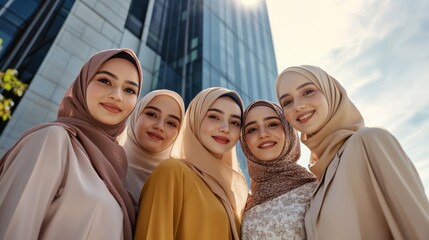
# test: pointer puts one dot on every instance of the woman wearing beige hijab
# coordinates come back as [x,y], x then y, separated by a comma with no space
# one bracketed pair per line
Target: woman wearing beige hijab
[280,188]
[368,187]
[151,131]
[201,193]
[64,179]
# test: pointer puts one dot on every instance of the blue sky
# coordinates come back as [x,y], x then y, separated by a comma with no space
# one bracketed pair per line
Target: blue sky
[377,49]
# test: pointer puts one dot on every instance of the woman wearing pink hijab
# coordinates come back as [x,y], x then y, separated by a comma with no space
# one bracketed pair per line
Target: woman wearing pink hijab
[64,179]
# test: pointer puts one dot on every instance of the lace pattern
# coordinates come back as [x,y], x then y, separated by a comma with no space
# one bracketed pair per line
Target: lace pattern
[279,218]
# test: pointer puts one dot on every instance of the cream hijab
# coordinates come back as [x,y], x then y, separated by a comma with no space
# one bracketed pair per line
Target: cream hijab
[223,177]
[343,120]
[140,162]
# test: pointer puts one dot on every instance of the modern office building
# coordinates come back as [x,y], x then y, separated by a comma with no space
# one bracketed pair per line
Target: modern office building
[183,45]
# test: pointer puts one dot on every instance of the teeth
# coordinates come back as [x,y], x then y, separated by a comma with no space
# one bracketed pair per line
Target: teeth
[305,116]
[267,145]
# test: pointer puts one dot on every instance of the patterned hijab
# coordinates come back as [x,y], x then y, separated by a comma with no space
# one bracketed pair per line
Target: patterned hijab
[98,139]
[273,178]
[140,162]
[223,177]
[343,119]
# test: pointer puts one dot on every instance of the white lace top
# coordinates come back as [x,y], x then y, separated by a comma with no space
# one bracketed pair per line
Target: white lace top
[279,218]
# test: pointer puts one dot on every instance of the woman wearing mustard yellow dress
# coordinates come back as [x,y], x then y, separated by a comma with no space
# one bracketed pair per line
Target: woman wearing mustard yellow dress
[201,193]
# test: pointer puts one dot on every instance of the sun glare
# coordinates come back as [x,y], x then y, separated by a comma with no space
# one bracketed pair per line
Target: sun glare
[249,3]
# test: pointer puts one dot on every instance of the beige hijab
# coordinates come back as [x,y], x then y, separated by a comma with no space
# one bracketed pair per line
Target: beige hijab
[140,162]
[343,120]
[223,177]
[98,139]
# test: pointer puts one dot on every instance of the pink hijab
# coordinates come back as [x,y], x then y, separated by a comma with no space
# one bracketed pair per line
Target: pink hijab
[98,139]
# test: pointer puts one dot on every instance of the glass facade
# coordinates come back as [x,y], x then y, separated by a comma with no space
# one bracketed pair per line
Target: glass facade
[204,43]
[28,29]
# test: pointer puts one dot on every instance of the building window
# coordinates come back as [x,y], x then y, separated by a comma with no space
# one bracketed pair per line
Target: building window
[136,17]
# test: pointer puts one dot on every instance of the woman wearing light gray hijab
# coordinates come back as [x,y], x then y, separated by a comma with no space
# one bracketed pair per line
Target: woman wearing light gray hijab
[151,131]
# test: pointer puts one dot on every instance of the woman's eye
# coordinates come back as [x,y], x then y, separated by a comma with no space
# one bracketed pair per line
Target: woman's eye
[173,124]
[105,81]
[236,123]
[130,91]
[213,117]
[250,130]
[286,103]
[309,91]
[273,124]
[151,114]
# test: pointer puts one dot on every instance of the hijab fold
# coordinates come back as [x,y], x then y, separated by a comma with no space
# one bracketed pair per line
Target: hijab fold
[273,178]
[223,176]
[343,120]
[98,139]
[140,162]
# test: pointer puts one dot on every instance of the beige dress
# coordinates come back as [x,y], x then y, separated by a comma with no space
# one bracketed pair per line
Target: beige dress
[51,191]
[371,190]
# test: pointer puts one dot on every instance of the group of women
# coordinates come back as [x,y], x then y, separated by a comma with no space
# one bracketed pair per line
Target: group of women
[115,167]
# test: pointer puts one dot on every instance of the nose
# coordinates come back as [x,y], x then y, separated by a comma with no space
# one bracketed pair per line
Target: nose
[159,126]
[224,127]
[116,94]
[299,105]
[263,133]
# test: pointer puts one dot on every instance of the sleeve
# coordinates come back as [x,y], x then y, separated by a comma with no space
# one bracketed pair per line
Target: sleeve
[397,184]
[30,180]
[161,202]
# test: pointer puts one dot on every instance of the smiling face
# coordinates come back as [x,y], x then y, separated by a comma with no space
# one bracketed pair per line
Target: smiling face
[158,125]
[112,93]
[220,127]
[264,133]
[304,106]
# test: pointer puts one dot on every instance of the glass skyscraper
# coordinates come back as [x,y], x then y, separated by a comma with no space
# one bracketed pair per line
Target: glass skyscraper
[204,43]
[183,45]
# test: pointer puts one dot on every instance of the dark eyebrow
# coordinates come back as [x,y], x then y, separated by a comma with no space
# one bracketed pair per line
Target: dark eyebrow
[159,110]
[221,112]
[265,119]
[116,78]
[108,73]
[299,87]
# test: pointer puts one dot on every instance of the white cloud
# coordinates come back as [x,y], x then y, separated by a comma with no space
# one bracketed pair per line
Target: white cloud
[379,51]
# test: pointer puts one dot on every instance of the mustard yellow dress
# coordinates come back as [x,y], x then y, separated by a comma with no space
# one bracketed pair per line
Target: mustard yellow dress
[177,204]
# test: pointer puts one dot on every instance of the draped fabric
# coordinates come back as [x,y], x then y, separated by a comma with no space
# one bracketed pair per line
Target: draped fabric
[97,139]
[140,162]
[273,178]
[343,120]
[223,176]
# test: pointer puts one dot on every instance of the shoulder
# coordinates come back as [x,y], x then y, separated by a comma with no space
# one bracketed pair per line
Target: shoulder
[172,165]
[47,136]
[171,168]
[52,131]
[372,135]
